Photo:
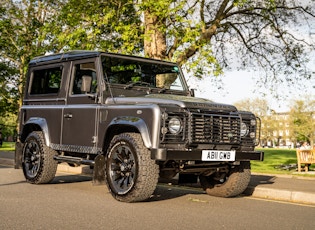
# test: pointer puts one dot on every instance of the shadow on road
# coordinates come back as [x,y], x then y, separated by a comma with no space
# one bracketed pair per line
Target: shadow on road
[170,189]
[167,192]
[257,180]
[261,179]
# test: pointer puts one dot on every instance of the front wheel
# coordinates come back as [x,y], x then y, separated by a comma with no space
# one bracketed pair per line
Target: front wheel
[39,166]
[227,185]
[131,174]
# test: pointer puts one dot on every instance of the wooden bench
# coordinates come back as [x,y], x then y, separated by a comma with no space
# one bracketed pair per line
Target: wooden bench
[306,157]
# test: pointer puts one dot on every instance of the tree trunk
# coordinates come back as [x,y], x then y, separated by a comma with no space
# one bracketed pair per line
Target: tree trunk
[155,37]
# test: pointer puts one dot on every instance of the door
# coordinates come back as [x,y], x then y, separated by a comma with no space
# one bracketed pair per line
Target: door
[80,113]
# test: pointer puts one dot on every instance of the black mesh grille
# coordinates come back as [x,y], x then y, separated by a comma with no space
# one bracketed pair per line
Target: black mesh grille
[203,128]
[215,129]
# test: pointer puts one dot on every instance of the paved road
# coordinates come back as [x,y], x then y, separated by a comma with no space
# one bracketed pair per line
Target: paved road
[71,202]
[294,188]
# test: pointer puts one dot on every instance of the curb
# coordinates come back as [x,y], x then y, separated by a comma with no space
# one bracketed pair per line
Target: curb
[281,195]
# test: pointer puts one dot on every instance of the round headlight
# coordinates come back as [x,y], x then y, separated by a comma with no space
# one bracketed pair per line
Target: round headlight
[244,129]
[252,122]
[175,125]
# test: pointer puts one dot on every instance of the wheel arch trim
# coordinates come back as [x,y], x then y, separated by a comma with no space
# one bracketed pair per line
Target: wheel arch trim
[135,122]
[39,122]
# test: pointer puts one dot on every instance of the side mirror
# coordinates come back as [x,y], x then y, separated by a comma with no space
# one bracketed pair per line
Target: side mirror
[192,92]
[86,84]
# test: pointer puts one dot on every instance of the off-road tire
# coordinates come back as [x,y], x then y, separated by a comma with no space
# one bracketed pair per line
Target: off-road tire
[234,184]
[39,166]
[131,175]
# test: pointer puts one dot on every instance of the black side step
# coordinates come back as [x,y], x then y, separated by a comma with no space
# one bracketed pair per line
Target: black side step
[74,160]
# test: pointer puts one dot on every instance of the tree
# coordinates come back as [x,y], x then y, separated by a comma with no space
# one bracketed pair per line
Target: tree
[8,92]
[22,34]
[206,33]
[257,106]
[205,36]
[261,109]
[31,28]
[302,120]
[95,24]
[8,99]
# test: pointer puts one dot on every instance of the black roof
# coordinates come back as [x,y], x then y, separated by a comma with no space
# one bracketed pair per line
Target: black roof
[79,54]
[71,55]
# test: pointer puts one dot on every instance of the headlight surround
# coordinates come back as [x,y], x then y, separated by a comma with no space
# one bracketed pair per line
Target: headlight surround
[244,129]
[175,125]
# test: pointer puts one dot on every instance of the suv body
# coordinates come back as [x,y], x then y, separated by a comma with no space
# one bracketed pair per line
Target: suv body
[132,119]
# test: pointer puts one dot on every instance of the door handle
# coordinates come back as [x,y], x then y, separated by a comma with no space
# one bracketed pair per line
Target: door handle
[68,115]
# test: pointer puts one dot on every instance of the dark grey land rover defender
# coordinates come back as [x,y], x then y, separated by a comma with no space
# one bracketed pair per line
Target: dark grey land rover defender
[132,120]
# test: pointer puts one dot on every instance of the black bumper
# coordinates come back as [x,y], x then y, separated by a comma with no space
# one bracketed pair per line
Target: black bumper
[195,155]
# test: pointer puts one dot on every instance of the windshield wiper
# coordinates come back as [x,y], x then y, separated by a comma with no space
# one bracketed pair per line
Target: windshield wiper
[136,83]
[162,90]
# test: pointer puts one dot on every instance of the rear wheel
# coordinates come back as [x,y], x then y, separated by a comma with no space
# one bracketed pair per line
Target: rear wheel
[131,175]
[227,184]
[39,166]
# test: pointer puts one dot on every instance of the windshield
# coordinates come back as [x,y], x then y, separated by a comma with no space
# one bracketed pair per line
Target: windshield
[162,76]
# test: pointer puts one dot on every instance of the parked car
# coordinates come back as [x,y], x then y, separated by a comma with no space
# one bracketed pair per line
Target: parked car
[132,119]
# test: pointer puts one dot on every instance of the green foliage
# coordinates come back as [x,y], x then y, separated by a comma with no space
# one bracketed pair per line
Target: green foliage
[22,36]
[302,116]
[89,24]
[204,64]
[8,91]
[8,124]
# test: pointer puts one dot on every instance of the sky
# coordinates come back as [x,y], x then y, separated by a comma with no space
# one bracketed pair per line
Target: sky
[240,85]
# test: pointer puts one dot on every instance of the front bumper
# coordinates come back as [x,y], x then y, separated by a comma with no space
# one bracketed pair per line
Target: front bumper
[195,155]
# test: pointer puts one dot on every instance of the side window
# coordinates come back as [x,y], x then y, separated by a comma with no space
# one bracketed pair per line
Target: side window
[85,79]
[46,81]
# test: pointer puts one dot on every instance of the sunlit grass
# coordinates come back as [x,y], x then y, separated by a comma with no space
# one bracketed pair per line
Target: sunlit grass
[274,159]
[7,146]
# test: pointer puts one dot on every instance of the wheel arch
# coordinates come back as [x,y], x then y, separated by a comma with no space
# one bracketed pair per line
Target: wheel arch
[127,124]
[35,124]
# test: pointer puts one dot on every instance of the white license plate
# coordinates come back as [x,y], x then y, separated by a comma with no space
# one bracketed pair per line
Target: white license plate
[217,155]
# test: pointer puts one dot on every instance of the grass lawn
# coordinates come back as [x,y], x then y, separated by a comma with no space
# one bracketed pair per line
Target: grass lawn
[8,146]
[274,159]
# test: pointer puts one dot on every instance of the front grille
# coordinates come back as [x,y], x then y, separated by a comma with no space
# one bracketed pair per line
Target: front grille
[203,128]
[214,129]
